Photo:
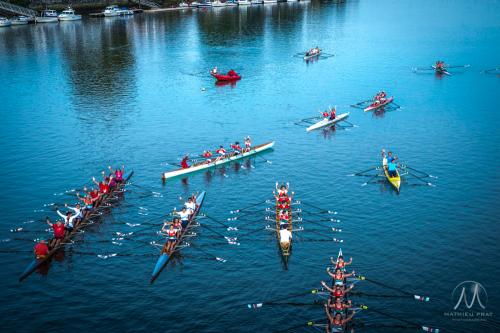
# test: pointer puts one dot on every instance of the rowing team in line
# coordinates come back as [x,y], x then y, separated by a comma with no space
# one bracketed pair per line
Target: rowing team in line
[338,305]
[380,97]
[284,212]
[69,220]
[389,163]
[221,152]
[175,228]
[332,115]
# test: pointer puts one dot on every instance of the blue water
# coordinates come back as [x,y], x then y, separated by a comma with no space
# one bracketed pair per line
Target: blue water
[79,96]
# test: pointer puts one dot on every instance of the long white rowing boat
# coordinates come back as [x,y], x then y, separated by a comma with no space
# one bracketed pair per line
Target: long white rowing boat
[327,122]
[206,165]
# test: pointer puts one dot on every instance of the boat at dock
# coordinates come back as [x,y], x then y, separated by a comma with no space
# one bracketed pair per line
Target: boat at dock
[5,22]
[20,20]
[243,2]
[114,10]
[69,15]
[217,162]
[48,16]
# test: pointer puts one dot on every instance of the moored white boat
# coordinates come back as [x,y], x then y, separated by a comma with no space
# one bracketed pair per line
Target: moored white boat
[205,4]
[48,16]
[113,10]
[194,4]
[69,15]
[218,3]
[327,122]
[231,3]
[20,20]
[228,159]
[5,22]
[270,1]
[257,2]
[183,5]
[243,2]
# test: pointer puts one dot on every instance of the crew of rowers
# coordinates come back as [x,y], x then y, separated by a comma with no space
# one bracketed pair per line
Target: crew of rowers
[337,307]
[379,98]
[332,114]
[231,72]
[221,153]
[72,218]
[284,212]
[174,229]
[389,163]
[313,51]
[440,65]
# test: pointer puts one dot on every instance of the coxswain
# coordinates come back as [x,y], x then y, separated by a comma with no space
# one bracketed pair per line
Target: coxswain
[190,205]
[282,190]
[333,113]
[59,230]
[171,234]
[214,70]
[184,163]
[341,263]
[336,323]
[41,250]
[184,215]
[339,276]
[248,143]
[285,236]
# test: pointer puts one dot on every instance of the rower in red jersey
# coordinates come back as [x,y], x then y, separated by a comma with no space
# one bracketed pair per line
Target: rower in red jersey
[325,114]
[41,250]
[337,305]
[184,163]
[339,277]
[87,201]
[337,290]
[222,153]
[340,262]
[103,185]
[282,190]
[208,155]
[236,147]
[95,195]
[333,113]
[59,231]
[336,323]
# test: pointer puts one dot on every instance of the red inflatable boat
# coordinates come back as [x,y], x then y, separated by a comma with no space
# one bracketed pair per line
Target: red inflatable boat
[230,76]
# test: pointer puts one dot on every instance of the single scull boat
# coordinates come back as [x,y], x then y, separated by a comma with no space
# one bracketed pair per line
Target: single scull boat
[327,122]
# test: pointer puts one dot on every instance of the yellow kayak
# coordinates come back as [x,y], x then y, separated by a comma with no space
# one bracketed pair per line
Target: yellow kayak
[395,181]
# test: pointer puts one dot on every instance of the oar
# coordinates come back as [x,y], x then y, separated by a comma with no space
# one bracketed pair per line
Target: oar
[251,206]
[388,315]
[362,172]
[404,292]
[318,208]
[422,68]
[264,160]
[457,66]
[369,180]
[261,304]
[414,297]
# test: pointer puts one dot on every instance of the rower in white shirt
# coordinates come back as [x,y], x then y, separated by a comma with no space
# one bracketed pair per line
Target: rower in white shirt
[68,218]
[190,205]
[184,215]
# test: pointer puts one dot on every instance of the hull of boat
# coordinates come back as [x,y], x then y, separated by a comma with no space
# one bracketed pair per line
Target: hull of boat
[164,258]
[374,107]
[204,166]
[285,248]
[46,20]
[394,181]
[327,122]
[70,18]
[307,57]
[21,22]
[227,78]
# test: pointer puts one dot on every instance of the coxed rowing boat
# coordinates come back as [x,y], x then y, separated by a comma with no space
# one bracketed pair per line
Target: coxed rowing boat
[327,122]
[82,224]
[164,258]
[285,245]
[376,105]
[227,159]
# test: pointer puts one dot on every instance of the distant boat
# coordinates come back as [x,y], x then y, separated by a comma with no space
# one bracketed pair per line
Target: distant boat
[69,15]
[257,2]
[5,22]
[48,16]
[113,10]
[218,3]
[20,20]
[270,1]
[183,5]
[205,4]
[243,2]
[194,4]
[231,3]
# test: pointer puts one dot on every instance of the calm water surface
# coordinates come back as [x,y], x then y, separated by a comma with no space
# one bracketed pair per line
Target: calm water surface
[77,97]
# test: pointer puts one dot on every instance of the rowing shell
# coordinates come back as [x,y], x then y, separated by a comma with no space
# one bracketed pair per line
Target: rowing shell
[164,258]
[36,263]
[327,122]
[307,57]
[376,106]
[285,248]
[204,165]
[441,70]
[345,312]
[394,181]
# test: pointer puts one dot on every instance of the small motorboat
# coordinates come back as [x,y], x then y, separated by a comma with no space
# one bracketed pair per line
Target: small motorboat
[5,22]
[69,15]
[229,76]
[48,16]
[20,20]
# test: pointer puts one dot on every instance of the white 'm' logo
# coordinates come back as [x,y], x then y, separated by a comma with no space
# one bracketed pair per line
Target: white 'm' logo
[467,288]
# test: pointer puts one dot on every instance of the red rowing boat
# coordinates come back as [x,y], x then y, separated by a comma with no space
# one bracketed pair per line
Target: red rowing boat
[376,105]
[230,76]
